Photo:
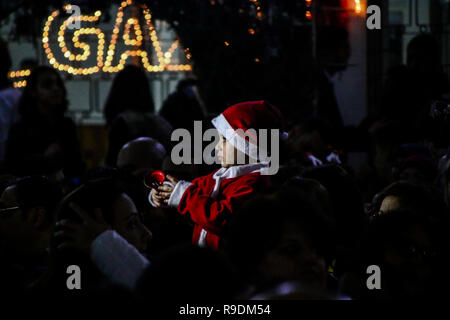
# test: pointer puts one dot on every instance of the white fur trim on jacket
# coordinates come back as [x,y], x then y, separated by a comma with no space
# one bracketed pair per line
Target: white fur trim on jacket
[229,173]
[178,192]
[234,172]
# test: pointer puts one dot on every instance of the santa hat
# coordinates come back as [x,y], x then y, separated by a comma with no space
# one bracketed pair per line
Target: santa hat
[241,123]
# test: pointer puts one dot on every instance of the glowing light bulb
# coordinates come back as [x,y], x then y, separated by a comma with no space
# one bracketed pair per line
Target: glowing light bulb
[357,6]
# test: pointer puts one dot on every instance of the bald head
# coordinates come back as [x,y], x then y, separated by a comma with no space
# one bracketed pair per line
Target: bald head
[141,153]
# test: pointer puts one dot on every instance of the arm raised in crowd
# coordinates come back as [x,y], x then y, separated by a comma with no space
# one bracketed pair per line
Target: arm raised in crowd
[117,259]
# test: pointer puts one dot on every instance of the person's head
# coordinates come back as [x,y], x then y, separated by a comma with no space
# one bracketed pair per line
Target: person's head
[281,237]
[44,95]
[118,209]
[188,87]
[408,196]
[311,135]
[141,153]
[406,246]
[423,54]
[333,48]
[249,132]
[130,90]
[418,169]
[345,199]
[313,191]
[387,137]
[27,213]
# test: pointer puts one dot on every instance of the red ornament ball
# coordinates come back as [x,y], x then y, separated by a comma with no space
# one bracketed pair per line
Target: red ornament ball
[154,179]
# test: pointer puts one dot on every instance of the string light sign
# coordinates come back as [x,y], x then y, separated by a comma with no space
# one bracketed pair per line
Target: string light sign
[164,59]
[71,58]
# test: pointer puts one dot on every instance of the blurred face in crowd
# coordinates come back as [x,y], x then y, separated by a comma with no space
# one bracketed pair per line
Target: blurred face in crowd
[414,175]
[410,258]
[49,93]
[128,224]
[23,233]
[308,141]
[293,259]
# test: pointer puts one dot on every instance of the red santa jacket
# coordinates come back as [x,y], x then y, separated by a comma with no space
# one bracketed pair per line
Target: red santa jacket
[211,200]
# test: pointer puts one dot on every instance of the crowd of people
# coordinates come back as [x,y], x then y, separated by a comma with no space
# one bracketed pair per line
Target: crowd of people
[311,231]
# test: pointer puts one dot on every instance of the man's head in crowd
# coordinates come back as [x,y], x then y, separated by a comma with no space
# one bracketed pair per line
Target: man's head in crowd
[141,154]
[333,48]
[27,210]
[44,96]
[345,199]
[406,245]
[313,191]
[134,82]
[423,54]
[117,208]
[408,196]
[281,237]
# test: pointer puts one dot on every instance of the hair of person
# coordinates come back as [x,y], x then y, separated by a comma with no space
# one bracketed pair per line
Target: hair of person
[421,199]
[345,197]
[100,192]
[130,90]
[424,44]
[27,105]
[38,191]
[313,190]
[95,193]
[125,181]
[184,83]
[385,230]
[258,225]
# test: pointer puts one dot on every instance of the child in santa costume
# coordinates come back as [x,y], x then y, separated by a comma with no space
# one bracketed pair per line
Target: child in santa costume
[212,200]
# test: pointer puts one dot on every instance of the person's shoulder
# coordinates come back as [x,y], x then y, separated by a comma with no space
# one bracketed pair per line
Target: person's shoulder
[10,92]
[9,97]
